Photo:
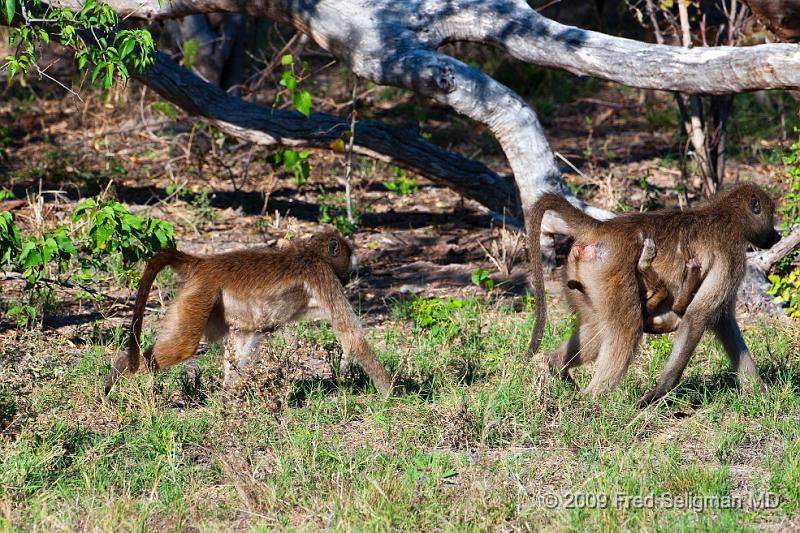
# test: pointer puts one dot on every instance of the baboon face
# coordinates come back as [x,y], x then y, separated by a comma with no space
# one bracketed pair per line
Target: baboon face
[760,225]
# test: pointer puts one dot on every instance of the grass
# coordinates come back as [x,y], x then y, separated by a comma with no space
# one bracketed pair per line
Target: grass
[482,439]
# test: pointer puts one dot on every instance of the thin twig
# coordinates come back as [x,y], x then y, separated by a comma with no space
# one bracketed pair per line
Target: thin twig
[348,173]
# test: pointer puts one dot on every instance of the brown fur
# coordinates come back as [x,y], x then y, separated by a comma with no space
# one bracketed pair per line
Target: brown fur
[245,295]
[611,317]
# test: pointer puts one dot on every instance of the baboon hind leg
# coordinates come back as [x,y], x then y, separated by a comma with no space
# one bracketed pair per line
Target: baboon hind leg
[185,325]
[619,333]
[582,347]
[177,341]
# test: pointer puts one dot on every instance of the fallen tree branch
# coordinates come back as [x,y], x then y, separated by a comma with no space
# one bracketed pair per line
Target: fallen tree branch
[766,259]
[271,126]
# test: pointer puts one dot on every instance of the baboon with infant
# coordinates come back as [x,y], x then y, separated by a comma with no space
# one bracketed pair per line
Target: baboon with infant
[699,263]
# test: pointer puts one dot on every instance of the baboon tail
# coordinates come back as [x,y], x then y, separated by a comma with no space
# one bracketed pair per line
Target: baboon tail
[577,221]
[171,257]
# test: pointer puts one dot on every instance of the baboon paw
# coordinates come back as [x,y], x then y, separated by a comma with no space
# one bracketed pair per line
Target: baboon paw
[649,398]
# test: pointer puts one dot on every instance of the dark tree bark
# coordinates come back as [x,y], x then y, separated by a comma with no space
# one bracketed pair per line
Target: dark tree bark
[268,126]
[780,16]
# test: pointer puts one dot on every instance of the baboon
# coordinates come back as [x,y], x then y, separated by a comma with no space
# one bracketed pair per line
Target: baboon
[243,296]
[611,316]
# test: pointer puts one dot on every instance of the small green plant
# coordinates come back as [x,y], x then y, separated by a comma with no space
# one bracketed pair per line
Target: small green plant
[105,235]
[166,109]
[110,50]
[291,76]
[480,277]
[436,315]
[649,201]
[333,210]
[786,288]
[190,47]
[295,163]
[785,278]
[401,184]
[9,239]
[110,229]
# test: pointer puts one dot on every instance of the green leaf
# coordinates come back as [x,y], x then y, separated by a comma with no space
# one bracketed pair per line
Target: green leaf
[288,81]
[285,59]
[96,71]
[8,10]
[165,109]
[302,102]
[189,52]
[290,158]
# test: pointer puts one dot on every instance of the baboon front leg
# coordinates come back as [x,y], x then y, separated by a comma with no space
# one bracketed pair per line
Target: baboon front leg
[328,291]
[686,339]
[239,349]
[727,331]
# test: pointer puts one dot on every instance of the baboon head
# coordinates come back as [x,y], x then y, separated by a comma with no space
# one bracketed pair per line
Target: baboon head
[758,211]
[336,250]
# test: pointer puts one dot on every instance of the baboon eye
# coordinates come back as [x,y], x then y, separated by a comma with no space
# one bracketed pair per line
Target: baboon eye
[333,247]
[755,204]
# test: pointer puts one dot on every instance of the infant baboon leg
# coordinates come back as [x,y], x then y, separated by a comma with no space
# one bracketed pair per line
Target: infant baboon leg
[663,323]
[655,289]
[689,287]
[647,255]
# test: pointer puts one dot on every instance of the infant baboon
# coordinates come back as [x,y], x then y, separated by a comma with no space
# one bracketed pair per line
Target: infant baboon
[656,320]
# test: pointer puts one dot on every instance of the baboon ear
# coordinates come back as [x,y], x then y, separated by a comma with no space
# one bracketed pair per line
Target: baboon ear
[333,247]
[755,204]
